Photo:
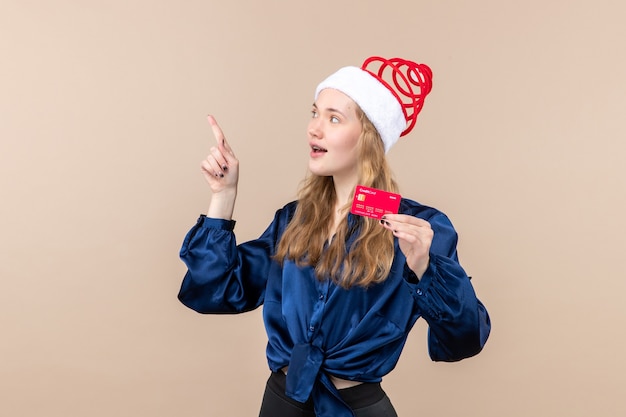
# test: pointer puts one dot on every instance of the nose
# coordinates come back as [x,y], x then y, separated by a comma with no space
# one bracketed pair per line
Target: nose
[314,129]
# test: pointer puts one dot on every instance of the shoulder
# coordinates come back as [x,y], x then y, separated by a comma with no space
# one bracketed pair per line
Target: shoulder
[289,207]
[286,212]
[413,208]
[438,219]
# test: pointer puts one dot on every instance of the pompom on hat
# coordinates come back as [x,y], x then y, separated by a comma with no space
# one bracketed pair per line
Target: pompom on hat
[390,92]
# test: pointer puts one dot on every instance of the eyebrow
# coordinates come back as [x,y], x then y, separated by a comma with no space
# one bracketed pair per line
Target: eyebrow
[331,110]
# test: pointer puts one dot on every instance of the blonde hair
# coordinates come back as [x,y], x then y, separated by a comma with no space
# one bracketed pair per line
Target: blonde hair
[370,255]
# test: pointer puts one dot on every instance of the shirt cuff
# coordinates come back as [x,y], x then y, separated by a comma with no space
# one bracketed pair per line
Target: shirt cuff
[212,223]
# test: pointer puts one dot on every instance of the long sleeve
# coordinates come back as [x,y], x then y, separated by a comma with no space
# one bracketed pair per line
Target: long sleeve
[305,318]
[223,277]
[459,324]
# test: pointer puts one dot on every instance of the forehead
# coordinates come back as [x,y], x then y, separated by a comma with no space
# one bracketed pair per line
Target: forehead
[329,98]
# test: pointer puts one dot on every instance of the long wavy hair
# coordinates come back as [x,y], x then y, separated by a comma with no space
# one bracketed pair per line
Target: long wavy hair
[369,257]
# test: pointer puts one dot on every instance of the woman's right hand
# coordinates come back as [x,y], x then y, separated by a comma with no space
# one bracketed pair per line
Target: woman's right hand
[221,171]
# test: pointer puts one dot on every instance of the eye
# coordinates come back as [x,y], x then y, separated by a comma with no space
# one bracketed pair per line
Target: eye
[313,113]
[334,119]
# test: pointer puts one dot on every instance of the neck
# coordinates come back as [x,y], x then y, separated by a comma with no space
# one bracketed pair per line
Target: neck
[343,190]
[344,187]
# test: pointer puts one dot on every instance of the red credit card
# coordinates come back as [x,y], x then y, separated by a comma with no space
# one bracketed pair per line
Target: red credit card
[374,203]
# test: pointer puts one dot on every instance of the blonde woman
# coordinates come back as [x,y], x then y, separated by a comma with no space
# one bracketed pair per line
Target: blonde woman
[340,292]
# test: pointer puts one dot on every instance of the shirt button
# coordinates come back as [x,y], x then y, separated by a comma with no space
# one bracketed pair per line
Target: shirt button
[311,328]
[419,292]
[321,296]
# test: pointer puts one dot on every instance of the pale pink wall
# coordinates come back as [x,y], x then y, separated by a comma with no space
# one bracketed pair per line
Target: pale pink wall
[102,127]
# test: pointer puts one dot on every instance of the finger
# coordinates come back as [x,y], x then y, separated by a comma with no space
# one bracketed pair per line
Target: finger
[405,219]
[228,150]
[217,131]
[219,136]
[388,225]
[406,236]
[401,233]
[211,169]
[220,160]
[419,230]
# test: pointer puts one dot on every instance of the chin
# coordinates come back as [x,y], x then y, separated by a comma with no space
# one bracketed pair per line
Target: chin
[315,170]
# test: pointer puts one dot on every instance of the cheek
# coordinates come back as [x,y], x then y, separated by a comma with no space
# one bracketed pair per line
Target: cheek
[350,152]
[345,141]
[352,142]
[347,149]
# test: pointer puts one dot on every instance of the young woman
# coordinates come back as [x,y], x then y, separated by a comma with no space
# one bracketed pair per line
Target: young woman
[340,292]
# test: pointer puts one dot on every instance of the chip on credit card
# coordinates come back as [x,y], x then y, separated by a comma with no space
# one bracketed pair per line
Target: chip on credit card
[374,203]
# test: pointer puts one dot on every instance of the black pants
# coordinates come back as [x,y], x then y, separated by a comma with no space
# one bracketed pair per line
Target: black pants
[365,400]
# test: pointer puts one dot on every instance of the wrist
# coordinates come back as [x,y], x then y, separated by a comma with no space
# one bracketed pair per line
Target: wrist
[222,204]
[420,267]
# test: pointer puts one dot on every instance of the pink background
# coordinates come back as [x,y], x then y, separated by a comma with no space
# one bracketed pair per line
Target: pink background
[103,123]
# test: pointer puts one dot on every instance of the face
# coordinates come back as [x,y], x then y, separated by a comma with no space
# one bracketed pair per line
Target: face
[333,133]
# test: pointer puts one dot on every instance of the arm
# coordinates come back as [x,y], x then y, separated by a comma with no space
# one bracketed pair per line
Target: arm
[219,278]
[223,277]
[459,324]
[221,172]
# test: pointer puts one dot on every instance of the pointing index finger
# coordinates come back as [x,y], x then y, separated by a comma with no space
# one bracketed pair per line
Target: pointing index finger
[219,135]
[217,131]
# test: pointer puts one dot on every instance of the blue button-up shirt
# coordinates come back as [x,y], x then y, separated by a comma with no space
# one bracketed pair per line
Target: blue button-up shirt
[317,328]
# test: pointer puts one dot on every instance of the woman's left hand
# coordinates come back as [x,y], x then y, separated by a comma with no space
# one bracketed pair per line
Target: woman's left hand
[414,237]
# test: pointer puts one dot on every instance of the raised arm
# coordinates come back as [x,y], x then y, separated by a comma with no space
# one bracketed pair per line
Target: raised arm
[221,172]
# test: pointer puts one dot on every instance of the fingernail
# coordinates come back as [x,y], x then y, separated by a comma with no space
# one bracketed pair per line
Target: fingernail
[383,217]
[225,168]
[382,221]
[221,175]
